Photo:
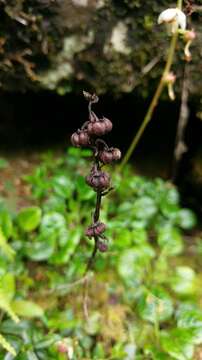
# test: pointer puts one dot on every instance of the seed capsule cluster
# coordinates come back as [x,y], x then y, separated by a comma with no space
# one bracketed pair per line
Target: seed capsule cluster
[95,230]
[99,180]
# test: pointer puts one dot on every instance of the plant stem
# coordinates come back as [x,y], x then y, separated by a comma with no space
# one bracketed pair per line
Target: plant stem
[96,216]
[155,99]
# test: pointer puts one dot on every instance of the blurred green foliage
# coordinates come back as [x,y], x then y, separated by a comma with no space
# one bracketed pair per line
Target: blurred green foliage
[145,294]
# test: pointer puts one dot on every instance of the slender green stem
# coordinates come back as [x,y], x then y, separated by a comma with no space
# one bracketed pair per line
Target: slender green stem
[157,330]
[155,99]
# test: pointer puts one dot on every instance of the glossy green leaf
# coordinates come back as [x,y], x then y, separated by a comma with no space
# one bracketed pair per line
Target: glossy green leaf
[40,250]
[29,218]
[6,223]
[133,262]
[178,343]
[170,240]
[189,316]
[184,280]
[62,186]
[27,309]
[5,247]
[186,219]
[144,208]
[7,285]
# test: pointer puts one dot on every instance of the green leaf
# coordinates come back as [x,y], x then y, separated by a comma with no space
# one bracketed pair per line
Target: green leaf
[186,219]
[170,240]
[40,250]
[52,223]
[189,316]
[168,203]
[178,343]
[27,309]
[84,191]
[144,208]
[154,353]
[63,255]
[5,305]
[7,346]
[29,218]
[5,247]
[155,305]
[7,291]
[62,186]
[6,223]
[7,285]
[134,261]
[184,280]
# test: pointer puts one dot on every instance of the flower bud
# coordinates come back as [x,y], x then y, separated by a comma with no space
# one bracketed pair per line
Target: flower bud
[189,37]
[95,229]
[169,80]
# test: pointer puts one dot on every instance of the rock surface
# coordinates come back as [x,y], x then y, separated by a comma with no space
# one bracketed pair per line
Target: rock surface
[112,46]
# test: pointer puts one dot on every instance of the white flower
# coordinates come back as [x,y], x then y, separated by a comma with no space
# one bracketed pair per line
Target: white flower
[175,18]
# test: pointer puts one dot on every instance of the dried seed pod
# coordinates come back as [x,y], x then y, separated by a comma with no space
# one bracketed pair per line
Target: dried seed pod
[116,154]
[84,138]
[108,124]
[80,138]
[75,139]
[102,246]
[95,230]
[96,128]
[106,156]
[98,180]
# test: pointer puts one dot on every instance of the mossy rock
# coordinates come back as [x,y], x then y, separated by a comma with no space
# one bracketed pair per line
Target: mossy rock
[108,46]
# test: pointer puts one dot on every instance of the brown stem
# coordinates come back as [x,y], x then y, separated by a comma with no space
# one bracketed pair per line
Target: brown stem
[95,219]
[97,207]
[89,266]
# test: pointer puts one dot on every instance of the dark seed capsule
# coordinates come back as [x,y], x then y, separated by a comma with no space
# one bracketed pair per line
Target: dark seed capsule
[75,139]
[95,229]
[98,180]
[106,156]
[84,138]
[108,124]
[80,138]
[103,247]
[116,153]
[96,128]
